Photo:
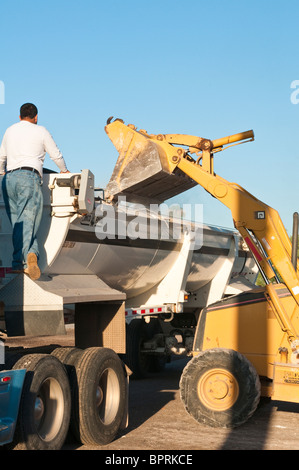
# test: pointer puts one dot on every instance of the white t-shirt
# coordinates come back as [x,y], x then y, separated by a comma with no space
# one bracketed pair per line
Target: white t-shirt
[26,144]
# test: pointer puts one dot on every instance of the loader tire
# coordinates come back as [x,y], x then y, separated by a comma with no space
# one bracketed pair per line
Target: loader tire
[220,388]
[101,397]
[45,405]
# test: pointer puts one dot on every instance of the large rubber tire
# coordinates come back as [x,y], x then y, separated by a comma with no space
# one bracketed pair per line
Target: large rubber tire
[141,364]
[137,362]
[220,388]
[101,397]
[67,355]
[158,363]
[45,406]
[70,356]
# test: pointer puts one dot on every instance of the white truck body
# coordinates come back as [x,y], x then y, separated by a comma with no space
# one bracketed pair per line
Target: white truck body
[77,266]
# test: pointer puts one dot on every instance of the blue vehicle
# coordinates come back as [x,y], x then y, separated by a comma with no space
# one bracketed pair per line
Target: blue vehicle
[11,385]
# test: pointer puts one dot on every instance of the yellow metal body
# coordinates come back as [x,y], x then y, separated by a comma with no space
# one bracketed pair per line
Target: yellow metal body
[285,382]
[248,324]
[265,331]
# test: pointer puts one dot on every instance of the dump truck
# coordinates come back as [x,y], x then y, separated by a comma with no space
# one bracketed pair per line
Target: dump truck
[246,345]
[132,279]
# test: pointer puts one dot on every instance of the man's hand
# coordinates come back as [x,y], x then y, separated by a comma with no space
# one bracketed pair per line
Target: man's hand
[67,171]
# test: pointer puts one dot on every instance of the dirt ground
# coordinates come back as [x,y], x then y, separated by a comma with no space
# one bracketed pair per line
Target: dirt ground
[158,420]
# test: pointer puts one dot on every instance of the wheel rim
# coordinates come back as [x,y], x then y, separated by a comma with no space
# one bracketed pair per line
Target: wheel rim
[218,389]
[49,409]
[108,396]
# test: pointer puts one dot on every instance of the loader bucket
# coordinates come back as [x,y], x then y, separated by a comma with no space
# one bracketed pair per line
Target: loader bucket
[142,169]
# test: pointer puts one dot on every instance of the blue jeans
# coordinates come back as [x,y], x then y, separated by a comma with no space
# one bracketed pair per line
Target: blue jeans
[23,200]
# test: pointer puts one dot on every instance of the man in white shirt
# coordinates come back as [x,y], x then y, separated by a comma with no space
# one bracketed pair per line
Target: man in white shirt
[22,154]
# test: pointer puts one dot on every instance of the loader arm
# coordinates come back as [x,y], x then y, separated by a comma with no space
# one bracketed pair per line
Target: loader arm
[259,225]
[263,231]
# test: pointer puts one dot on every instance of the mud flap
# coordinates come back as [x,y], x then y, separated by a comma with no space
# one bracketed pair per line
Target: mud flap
[125,422]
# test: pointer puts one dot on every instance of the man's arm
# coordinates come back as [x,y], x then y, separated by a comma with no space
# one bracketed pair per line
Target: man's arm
[54,152]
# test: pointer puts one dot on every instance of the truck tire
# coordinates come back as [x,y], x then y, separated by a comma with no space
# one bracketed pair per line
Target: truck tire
[220,388]
[158,363]
[45,406]
[101,397]
[67,355]
[141,364]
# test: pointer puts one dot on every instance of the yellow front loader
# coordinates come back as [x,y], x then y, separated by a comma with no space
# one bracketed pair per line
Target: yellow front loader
[245,346]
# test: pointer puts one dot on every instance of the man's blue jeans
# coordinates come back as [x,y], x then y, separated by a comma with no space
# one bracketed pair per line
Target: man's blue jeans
[23,200]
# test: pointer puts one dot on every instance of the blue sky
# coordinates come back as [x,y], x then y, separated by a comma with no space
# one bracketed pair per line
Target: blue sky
[206,68]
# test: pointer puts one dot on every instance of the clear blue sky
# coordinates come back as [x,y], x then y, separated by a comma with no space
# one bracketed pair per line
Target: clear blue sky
[207,68]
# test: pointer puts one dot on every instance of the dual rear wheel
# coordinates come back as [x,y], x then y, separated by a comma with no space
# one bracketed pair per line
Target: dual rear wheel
[85,391]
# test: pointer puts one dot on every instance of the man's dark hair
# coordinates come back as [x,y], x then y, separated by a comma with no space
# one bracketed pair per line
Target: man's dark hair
[28,110]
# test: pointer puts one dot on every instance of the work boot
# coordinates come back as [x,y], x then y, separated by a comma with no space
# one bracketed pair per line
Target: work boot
[32,269]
